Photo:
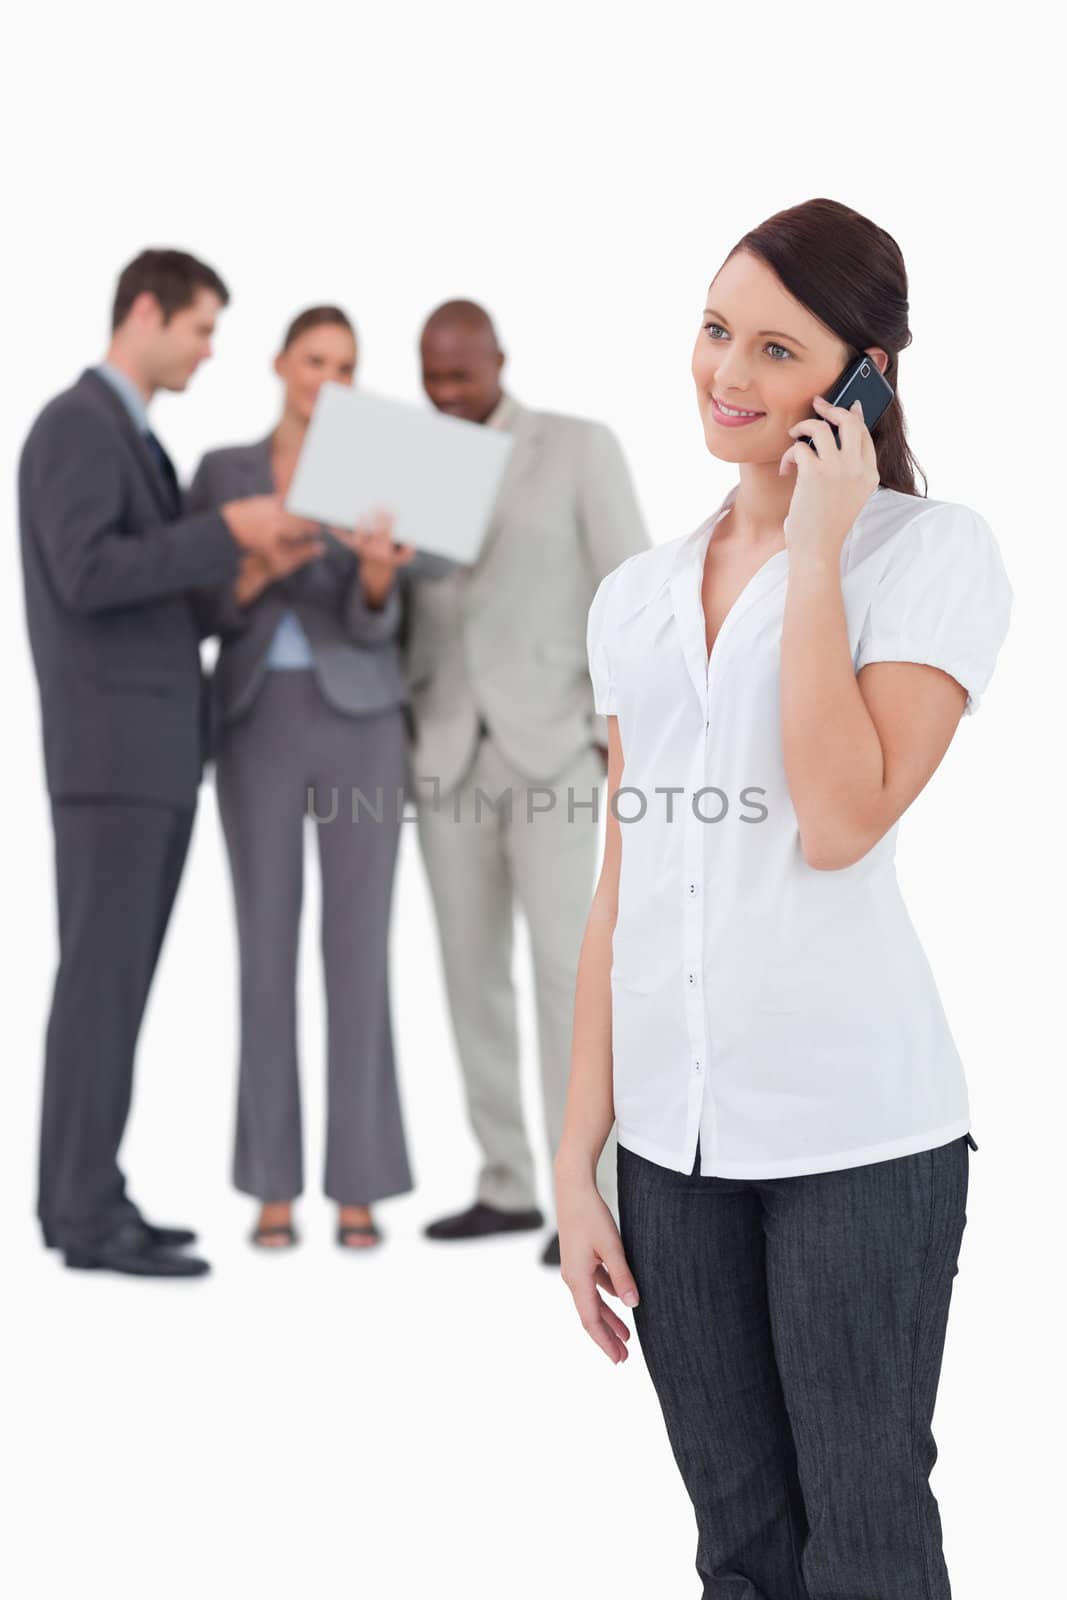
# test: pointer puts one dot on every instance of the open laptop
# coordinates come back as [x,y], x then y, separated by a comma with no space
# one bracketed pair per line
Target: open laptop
[438,475]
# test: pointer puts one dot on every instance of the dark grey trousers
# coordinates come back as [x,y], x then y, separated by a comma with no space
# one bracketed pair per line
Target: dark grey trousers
[793,1329]
[118,866]
[288,743]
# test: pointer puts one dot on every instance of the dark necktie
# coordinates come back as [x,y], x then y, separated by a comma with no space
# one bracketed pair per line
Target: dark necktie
[163,462]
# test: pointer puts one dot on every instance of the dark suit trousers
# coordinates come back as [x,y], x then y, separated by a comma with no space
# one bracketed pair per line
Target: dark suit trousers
[117,866]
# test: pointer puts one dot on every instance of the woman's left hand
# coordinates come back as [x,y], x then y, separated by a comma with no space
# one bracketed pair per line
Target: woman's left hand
[833,481]
[372,541]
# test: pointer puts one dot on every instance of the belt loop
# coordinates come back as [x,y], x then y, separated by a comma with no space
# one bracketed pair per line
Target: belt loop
[971,1142]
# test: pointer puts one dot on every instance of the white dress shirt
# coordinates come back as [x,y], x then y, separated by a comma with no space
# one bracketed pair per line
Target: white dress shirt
[786,1015]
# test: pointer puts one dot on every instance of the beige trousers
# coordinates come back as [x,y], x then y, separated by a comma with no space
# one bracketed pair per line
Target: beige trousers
[535,848]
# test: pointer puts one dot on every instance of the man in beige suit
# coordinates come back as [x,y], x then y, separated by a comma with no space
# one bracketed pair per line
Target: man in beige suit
[509,754]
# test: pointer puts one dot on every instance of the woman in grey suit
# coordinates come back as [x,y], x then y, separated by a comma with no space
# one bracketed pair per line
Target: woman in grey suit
[309,703]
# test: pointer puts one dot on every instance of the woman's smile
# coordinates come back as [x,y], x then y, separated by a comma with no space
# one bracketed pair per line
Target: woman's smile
[731,416]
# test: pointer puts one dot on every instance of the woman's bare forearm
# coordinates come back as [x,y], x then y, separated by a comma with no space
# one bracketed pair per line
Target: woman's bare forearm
[589,1237]
[590,1105]
[590,1100]
[834,760]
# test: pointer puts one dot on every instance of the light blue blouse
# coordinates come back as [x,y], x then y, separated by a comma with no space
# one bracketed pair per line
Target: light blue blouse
[289,648]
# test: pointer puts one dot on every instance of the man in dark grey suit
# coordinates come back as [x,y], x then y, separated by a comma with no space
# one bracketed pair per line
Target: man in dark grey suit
[112,571]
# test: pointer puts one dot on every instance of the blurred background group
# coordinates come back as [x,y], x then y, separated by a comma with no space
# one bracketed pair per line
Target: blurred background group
[348,665]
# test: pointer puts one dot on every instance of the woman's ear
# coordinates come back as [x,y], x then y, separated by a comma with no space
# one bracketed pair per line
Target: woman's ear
[879,357]
[279,366]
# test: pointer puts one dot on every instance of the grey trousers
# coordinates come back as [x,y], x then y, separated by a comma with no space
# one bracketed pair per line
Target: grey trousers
[482,863]
[793,1329]
[288,743]
[118,867]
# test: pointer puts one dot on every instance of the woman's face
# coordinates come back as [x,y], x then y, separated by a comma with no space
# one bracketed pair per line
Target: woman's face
[759,350]
[321,355]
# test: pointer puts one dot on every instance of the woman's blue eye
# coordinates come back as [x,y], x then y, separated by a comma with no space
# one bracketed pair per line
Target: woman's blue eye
[709,326]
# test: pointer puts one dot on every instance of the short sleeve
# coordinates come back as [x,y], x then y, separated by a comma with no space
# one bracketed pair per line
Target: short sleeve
[598,648]
[944,600]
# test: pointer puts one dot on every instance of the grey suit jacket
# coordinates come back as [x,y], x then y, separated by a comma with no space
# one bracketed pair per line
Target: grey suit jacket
[355,648]
[504,639]
[111,566]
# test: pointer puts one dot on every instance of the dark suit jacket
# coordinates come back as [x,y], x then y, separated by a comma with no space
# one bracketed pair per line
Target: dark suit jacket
[111,568]
[356,651]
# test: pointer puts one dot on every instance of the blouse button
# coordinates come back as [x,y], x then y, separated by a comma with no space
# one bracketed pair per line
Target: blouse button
[692,888]
[692,978]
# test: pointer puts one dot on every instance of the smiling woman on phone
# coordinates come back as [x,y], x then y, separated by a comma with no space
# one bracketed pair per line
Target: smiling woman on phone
[753,1007]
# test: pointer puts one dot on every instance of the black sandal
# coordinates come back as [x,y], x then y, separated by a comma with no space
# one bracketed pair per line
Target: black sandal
[358,1230]
[283,1231]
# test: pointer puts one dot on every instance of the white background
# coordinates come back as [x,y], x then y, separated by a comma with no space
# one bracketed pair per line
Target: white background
[427,1420]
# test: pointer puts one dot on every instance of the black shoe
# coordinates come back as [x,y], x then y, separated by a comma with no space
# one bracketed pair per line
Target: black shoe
[481,1219]
[164,1238]
[550,1254]
[169,1238]
[130,1249]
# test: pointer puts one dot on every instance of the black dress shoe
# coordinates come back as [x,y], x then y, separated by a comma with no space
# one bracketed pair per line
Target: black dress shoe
[550,1254]
[169,1238]
[130,1249]
[166,1238]
[480,1220]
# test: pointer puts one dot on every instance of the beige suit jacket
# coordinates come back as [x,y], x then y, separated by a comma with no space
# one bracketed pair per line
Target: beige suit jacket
[504,639]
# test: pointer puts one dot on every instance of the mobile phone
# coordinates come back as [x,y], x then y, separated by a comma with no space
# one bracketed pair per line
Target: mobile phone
[860,381]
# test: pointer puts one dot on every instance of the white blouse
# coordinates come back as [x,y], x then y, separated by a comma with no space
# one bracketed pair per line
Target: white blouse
[786,1015]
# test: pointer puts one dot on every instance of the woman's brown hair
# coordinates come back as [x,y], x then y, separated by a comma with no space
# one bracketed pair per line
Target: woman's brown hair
[850,274]
[316,317]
